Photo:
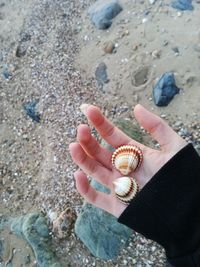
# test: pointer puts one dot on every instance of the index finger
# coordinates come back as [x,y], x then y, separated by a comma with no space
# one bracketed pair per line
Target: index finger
[108,131]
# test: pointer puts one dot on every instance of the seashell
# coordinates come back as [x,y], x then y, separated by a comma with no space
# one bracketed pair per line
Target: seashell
[127,159]
[125,188]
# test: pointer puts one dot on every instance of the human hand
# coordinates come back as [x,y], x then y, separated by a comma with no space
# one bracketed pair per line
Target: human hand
[94,160]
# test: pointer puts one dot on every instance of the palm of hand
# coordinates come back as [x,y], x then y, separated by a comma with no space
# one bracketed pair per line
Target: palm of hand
[95,160]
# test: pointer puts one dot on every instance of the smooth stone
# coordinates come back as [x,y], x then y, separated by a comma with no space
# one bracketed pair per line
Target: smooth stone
[165,90]
[102,13]
[101,74]
[182,4]
[33,228]
[30,109]
[99,230]
[109,47]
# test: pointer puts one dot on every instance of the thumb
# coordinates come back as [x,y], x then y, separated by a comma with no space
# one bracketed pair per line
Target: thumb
[158,128]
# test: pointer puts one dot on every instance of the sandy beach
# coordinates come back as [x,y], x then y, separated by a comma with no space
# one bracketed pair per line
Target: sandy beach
[49,51]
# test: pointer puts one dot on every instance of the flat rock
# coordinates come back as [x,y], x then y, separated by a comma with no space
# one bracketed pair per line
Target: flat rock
[33,228]
[182,4]
[165,90]
[102,13]
[101,232]
[97,229]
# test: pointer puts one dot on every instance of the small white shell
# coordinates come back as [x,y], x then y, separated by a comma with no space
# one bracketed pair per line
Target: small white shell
[126,159]
[125,188]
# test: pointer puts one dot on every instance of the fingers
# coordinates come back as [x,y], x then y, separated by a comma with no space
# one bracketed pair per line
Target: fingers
[105,128]
[98,199]
[92,147]
[92,196]
[158,128]
[90,166]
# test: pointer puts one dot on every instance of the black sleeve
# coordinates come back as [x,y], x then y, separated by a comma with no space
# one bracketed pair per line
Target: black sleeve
[167,209]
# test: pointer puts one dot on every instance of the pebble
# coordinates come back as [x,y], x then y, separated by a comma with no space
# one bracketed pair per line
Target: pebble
[109,47]
[30,109]
[101,74]
[102,13]
[7,75]
[175,49]
[165,90]
[20,51]
[182,4]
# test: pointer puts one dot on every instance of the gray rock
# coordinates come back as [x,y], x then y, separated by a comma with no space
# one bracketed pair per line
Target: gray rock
[33,228]
[97,229]
[102,13]
[165,90]
[101,232]
[101,74]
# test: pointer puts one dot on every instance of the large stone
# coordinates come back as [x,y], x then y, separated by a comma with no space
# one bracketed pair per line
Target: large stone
[33,228]
[102,13]
[99,230]
[165,90]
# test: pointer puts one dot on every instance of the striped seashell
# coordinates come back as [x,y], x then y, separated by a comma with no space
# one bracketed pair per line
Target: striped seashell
[125,188]
[127,159]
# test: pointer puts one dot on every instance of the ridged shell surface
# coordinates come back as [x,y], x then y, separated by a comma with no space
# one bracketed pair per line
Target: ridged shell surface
[125,188]
[126,159]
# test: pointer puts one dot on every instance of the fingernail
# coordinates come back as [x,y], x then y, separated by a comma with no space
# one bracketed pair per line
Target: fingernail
[84,108]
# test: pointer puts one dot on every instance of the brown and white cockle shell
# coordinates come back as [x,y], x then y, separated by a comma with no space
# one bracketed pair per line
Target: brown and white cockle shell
[127,159]
[125,188]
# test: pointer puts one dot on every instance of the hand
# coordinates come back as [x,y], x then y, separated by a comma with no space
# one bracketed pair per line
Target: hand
[94,160]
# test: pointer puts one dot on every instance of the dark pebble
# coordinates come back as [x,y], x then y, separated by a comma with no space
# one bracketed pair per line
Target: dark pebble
[182,4]
[20,51]
[165,90]
[101,74]
[6,74]
[175,49]
[30,109]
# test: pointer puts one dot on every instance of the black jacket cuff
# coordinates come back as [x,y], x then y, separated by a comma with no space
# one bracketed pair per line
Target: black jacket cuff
[167,209]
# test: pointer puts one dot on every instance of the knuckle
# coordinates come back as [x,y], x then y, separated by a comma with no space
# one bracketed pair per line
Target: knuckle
[109,132]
